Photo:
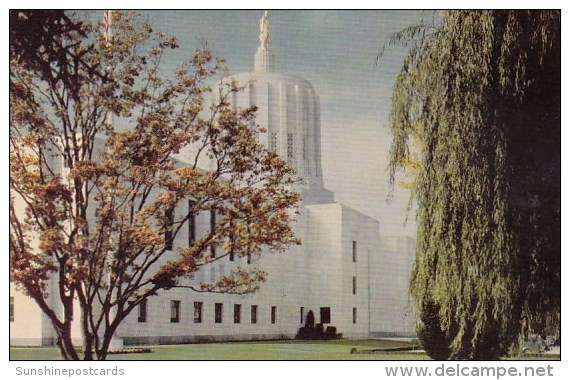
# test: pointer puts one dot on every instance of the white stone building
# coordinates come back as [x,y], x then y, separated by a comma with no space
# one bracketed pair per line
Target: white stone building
[339,272]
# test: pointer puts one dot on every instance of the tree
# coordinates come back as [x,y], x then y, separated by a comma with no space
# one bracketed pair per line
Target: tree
[310,320]
[38,38]
[95,208]
[435,340]
[481,90]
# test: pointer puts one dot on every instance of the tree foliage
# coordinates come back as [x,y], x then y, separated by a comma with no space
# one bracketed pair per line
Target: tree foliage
[39,38]
[94,208]
[481,92]
[435,340]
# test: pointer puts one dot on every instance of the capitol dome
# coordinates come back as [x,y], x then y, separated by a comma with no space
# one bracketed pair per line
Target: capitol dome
[288,108]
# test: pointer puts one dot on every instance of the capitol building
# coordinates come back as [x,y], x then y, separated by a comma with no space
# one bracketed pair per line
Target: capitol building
[344,272]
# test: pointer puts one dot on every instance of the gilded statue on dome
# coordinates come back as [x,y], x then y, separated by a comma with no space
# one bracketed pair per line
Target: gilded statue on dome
[264,30]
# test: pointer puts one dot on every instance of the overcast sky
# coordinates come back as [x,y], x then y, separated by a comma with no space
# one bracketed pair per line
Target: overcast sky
[336,51]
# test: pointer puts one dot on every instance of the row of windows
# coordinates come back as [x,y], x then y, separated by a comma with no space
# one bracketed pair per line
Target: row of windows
[198,312]
[273,141]
[325,313]
[289,148]
[290,145]
[169,237]
[175,305]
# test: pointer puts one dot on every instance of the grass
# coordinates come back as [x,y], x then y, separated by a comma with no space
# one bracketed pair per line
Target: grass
[275,350]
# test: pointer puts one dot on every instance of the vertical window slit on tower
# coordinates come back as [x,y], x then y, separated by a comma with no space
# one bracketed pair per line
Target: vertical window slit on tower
[168,234]
[191,223]
[213,231]
[232,239]
[248,244]
[354,251]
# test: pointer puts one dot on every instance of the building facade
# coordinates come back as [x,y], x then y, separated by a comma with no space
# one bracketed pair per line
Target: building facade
[339,271]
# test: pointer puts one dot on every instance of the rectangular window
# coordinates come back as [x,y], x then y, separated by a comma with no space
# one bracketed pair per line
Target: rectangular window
[248,249]
[197,312]
[11,309]
[218,312]
[301,314]
[142,311]
[191,224]
[168,235]
[273,314]
[232,239]
[354,251]
[213,231]
[237,313]
[174,311]
[325,315]
[354,285]
[253,313]
[354,315]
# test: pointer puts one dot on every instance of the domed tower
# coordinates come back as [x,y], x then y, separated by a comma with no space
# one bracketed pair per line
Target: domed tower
[288,108]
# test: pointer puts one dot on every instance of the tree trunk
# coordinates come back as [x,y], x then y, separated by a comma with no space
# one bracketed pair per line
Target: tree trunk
[64,332]
[87,335]
[87,340]
[102,353]
[65,343]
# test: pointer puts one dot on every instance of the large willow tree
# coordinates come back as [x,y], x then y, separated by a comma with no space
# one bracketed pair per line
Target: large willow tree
[479,96]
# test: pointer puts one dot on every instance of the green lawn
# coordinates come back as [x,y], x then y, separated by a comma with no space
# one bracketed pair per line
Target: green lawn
[277,350]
